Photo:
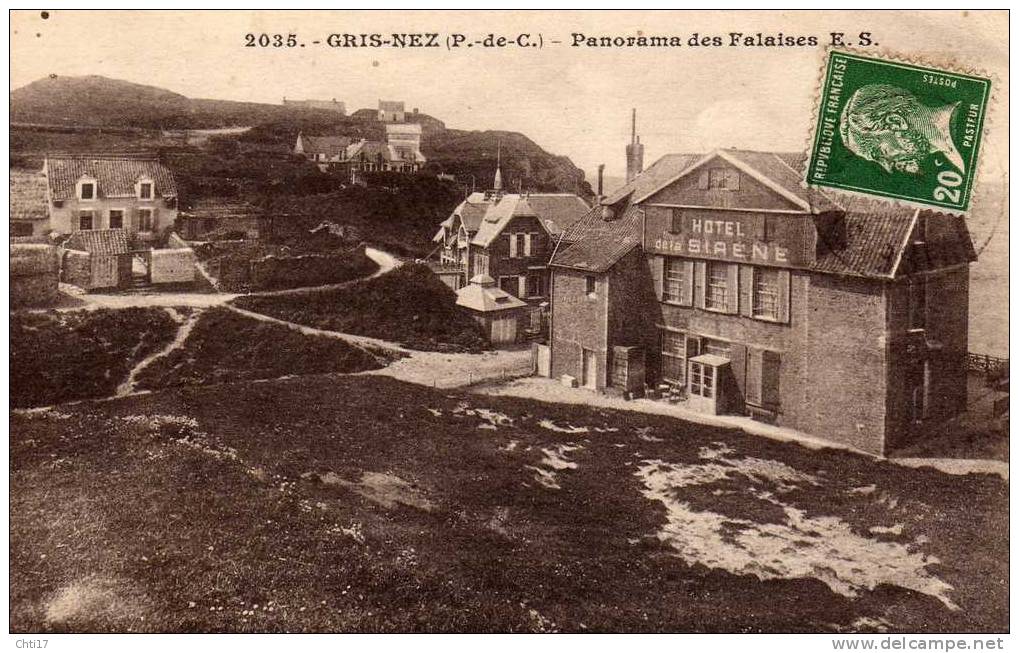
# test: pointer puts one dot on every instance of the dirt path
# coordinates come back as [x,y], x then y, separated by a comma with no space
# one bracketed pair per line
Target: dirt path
[184,330]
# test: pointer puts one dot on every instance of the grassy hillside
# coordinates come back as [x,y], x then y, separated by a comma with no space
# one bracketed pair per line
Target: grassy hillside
[408,305]
[362,504]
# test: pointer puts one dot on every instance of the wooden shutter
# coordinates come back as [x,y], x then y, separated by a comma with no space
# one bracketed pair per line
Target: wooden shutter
[527,244]
[522,286]
[732,280]
[746,290]
[783,296]
[738,365]
[770,365]
[658,272]
[155,218]
[752,389]
[732,179]
[513,245]
[686,292]
[704,181]
[700,271]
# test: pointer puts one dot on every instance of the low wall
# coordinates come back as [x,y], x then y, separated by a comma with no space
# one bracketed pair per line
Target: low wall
[172,265]
[76,268]
[34,274]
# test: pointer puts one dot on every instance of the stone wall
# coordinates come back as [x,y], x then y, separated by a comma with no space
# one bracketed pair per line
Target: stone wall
[34,274]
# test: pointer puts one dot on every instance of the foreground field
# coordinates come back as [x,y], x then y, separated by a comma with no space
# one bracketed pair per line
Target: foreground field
[336,503]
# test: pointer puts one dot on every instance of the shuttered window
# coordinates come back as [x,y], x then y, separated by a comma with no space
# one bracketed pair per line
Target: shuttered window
[674,356]
[765,293]
[144,219]
[721,287]
[85,220]
[116,218]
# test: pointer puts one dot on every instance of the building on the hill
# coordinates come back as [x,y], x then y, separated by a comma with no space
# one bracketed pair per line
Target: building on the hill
[401,151]
[323,150]
[508,236]
[135,193]
[324,105]
[500,314]
[390,111]
[736,290]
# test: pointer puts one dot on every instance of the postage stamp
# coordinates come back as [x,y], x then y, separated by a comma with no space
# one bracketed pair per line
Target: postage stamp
[898,130]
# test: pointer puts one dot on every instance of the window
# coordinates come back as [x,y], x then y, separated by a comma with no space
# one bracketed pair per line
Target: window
[145,190]
[87,190]
[719,179]
[85,221]
[535,284]
[716,297]
[144,219]
[510,284]
[766,295]
[116,218]
[480,263]
[677,221]
[702,380]
[590,284]
[520,245]
[673,281]
[918,302]
[674,356]
[21,228]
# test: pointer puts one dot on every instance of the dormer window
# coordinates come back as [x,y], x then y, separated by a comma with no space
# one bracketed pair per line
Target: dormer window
[87,189]
[145,190]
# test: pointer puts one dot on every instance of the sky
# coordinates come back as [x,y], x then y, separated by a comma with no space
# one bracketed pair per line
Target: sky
[572,101]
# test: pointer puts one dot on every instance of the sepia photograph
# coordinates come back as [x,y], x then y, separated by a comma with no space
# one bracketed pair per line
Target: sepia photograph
[496,322]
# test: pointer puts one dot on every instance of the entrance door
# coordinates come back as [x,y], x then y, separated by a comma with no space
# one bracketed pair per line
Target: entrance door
[590,370]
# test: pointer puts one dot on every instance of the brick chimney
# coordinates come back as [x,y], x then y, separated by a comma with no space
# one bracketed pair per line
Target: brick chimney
[634,152]
[601,180]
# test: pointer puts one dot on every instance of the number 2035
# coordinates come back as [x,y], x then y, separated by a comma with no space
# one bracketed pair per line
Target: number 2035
[270,40]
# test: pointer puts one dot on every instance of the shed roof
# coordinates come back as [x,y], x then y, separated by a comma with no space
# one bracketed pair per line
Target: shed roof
[115,175]
[486,298]
[28,196]
[99,241]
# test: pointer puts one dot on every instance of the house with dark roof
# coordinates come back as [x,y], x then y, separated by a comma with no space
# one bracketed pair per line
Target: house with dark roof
[29,213]
[400,152]
[719,281]
[508,236]
[135,193]
[323,150]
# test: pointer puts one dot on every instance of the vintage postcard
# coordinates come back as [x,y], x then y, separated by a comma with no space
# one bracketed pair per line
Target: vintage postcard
[510,322]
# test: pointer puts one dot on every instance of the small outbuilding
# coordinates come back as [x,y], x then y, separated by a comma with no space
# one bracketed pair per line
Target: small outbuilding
[499,313]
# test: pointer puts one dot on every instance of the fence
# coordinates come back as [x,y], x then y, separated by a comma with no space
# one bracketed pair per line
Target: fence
[992,367]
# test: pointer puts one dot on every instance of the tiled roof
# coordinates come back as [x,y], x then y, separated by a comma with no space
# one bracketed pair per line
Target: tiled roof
[116,175]
[596,244]
[655,176]
[331,146]
[781,171]
[28,196]
[556,211]
[99,241]
[874,242]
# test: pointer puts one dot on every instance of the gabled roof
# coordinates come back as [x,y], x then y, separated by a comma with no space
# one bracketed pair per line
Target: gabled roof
[595,244]
[773,170]
[116,175]
[331,146]
[654,177]
[99,241]
[28,196]
[555,211]
[486,298]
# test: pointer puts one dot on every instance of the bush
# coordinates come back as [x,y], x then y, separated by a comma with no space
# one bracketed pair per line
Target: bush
[409,305]
[224,346]
[59,357]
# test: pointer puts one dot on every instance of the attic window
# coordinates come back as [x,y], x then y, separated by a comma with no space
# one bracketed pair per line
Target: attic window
[720,179]
[87,190]
[145,190]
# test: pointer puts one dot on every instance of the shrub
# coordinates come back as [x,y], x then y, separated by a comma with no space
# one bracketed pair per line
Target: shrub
[59,357]
[224,346]
[409,305]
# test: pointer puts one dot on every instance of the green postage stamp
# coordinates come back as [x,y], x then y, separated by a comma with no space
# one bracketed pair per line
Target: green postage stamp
[898,130]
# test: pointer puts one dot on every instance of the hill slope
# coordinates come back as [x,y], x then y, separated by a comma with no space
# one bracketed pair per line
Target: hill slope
[100,101]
